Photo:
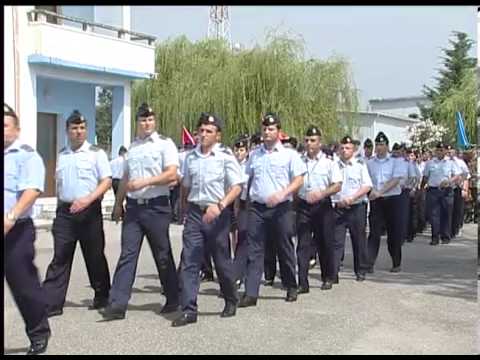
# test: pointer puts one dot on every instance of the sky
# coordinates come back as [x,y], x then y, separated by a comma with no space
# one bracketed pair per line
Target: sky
[393,50]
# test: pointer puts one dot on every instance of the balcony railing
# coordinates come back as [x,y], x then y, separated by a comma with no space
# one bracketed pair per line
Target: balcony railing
[40,15]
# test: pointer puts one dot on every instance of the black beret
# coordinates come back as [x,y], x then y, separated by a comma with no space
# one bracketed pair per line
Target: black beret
[293,140]
[368,143]
[396,147]
[210,119]
[75,117]
[241,141]
[270,119]
[256,138]
[356,142]
[381,138]
[313,131]
[346,140]
[145,111]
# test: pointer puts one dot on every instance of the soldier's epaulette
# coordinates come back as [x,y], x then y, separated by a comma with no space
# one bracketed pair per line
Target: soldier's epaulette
[26,148]
[226,150]
[360,161]
[160,136]
[63,149]
[94,148]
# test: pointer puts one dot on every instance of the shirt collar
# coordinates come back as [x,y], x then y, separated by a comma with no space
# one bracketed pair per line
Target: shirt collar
[213,152]
[277,147]
[153,137]
[15,146]
[386,158]
[85,146]
[318,157]
[345,163]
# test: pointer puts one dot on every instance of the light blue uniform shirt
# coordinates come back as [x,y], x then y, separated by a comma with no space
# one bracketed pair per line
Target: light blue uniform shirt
[244,193]
[354,176]
[118,166]
[465,171]
[150,157]
[79,172]
[403,167]
[321,173]
[210,176]
[272,171]
[24,169]
[439,170]
[383,170]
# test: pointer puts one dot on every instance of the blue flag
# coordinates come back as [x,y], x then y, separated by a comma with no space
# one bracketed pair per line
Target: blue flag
[462,139]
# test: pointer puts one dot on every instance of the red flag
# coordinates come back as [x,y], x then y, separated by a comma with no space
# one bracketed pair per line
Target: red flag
[187,138]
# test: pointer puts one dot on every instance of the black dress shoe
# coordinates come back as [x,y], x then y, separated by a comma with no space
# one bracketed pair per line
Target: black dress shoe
[336,280]
[247,301]
[111,313]
[303,290]
[184,319]
[395,269]
[204,277]
[268,283]
[98,303]
[229,310]
[54,312]
[327,285]
[445,241]
[434,242]
[370,270]
[38,346]
[360,277]
[169,308]
[291,295]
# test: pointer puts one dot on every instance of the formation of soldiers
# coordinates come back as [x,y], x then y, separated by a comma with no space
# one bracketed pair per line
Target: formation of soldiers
[264,200]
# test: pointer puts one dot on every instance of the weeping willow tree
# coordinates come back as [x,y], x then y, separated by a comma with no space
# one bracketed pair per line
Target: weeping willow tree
[240,86]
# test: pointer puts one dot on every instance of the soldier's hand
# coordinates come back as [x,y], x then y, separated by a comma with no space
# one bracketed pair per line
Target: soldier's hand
[7,225]
[374,195]
[275,199]
[465,195]
[80,204]
[212,212]
[444,183]
[117,213]
[314,196]
[136,184]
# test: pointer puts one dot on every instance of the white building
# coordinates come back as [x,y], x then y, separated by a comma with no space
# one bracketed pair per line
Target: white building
[390,115]
[54,59]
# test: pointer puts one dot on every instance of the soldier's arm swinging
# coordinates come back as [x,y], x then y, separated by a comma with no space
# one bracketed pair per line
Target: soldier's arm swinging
[121,193]
[25,202]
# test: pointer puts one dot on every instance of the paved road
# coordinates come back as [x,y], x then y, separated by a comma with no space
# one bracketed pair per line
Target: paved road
[429,308]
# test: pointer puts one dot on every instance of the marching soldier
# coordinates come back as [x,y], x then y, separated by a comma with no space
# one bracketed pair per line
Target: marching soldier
[404,201]
[240,209]
[83,176]
[460,192]
[23,182]
[212,179]
[276,173]
[440,175]
[350,206]
[151,166]
[367,150]
[315,215]
[384,204]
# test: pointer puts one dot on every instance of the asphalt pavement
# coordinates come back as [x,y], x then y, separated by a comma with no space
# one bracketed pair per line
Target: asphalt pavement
[428,308]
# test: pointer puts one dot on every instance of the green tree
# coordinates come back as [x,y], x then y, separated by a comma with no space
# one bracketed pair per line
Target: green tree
[455,90]
[242,85]
[103,126]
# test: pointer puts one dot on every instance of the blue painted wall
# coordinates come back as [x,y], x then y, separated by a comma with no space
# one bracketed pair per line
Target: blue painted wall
[61,98]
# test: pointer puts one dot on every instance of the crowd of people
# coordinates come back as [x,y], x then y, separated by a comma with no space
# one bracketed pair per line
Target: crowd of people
[268,199]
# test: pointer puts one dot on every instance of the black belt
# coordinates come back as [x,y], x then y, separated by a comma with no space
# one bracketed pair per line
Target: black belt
[348,207]
[159,200]
[439,188]
[242,204]
[202,208]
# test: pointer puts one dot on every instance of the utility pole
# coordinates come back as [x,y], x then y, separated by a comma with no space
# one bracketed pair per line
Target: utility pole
[219,24]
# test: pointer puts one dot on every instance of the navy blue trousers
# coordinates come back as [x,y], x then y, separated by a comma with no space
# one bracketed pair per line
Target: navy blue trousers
[276,222]
[353,219]
[196,236]
[316,229]
[440,207]
[87,228]
[22,278]
[153,221]
[384,213]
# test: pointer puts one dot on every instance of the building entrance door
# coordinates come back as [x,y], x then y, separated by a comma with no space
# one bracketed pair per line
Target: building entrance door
[47,148]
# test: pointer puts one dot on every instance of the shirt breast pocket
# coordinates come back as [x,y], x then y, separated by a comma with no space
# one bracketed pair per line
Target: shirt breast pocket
[10,178]
[279,169]
[214,172]
[85,170]
[152,161]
